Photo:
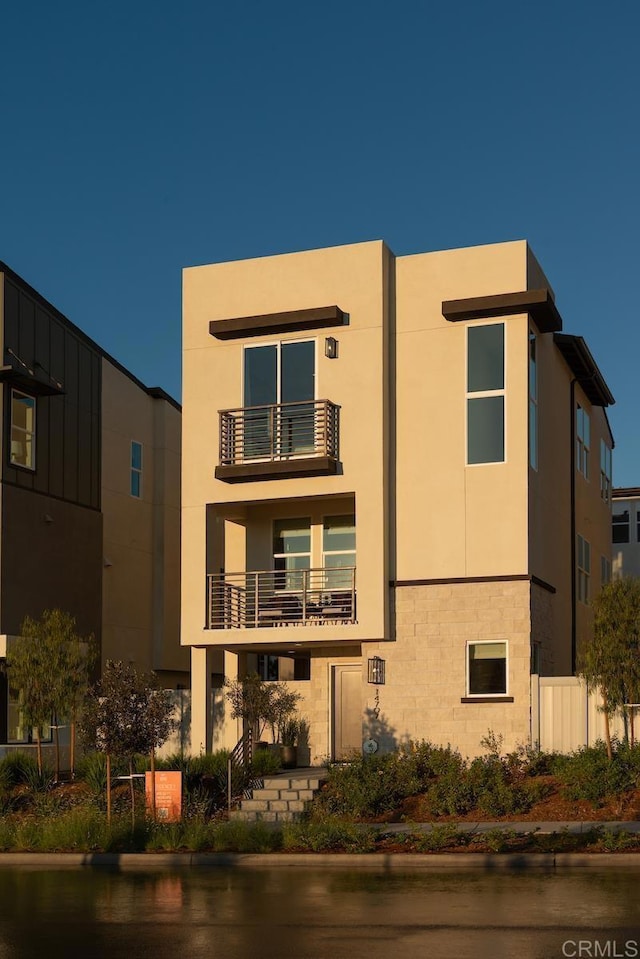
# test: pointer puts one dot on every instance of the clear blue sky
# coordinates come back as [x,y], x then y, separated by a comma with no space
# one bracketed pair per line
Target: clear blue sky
[140,137]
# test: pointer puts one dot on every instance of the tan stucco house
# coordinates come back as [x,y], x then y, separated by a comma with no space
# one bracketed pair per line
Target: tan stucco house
[89,495]
[395,491]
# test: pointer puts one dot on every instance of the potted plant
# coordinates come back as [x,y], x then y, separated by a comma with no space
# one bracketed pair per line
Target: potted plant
[294,734]
[260,704]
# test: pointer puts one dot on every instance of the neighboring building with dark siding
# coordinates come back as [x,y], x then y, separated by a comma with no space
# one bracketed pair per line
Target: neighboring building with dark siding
[77,532]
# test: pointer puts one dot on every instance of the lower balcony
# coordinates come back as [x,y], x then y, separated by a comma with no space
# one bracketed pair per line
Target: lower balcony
[282,598]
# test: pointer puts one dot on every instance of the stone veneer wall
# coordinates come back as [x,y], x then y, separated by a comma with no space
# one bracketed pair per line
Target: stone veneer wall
[315,705]
[426,666]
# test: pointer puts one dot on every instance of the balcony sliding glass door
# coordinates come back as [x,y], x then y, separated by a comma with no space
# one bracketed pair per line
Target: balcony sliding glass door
[279,390]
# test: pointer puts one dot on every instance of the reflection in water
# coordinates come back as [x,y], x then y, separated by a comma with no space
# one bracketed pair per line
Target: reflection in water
[314,914]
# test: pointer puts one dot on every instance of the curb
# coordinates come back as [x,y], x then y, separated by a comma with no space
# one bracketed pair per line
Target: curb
[375,862]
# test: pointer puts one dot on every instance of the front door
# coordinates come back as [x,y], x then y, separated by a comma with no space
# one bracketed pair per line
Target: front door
[347,711]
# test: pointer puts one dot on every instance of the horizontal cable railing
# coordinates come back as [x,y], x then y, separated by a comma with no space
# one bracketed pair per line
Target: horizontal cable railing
[280,431]
[281,598]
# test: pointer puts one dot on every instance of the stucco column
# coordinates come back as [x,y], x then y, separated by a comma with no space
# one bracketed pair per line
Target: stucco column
[201,712]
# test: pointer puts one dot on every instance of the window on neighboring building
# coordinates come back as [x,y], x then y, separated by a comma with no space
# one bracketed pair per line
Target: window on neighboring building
[584,569]
[23,430]
[638,526]
[487,668]
[339,550]
[485,394]
[583,441]
[620,526]
[17,731]
[605,570]
[136,469]
[291,551]
[605,472]
[533,402]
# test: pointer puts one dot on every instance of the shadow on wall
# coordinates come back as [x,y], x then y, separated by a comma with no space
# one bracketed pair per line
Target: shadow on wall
[377,727]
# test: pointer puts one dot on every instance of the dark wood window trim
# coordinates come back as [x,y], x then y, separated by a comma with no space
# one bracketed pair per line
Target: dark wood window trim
[486,699]
[538,303]
[289,322]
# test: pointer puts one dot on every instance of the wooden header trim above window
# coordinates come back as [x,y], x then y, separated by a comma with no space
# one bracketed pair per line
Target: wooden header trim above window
[538,303]
[291,321]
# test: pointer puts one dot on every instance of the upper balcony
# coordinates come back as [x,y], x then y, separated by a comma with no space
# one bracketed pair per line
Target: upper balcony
[281,440]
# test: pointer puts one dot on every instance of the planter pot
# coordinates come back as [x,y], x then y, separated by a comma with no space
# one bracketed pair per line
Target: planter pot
[289,756]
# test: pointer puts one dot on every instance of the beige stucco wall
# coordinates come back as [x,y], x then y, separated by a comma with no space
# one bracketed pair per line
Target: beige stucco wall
[455,520]
[356,279]
[141,536]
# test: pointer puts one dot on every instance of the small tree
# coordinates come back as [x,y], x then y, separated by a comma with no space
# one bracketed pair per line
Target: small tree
[49,666]
[261,704]
[126,715]
[611,660]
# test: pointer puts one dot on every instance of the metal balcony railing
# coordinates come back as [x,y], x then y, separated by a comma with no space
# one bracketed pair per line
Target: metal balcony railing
[280,431]
[297,597]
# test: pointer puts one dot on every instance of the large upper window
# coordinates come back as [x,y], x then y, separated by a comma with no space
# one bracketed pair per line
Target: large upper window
[23,430]
[339,550]
[605,472]
[136,469]
[583,441]
[276,374]
[487,669]
[485,394]
[533,402]
[584,569]
[291,551]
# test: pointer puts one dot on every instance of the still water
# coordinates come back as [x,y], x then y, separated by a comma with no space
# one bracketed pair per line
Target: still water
[316,914]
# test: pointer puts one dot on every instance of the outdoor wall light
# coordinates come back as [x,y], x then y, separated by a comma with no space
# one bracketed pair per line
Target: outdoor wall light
[376,670]
[331,347]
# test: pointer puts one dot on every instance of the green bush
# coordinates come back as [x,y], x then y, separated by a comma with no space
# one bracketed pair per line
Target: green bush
[441,836]
[329,836]
[265,762]
[367,786]
[237,836]
[17,768]
[497,840]
[588,773]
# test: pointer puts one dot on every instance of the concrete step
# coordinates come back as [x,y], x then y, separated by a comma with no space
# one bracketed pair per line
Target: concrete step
[279,798]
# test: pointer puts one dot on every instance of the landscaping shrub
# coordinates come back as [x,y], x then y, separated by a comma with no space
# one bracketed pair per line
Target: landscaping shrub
[265,762]
[332,835]
[588,773]
[367,786]
[441,836]
[17,768]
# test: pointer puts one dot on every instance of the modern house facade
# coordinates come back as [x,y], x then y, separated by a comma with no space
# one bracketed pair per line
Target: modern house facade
[392,493]
[89,495]
[625,532]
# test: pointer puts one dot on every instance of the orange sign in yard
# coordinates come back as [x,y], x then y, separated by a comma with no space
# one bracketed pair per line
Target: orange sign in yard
[168,795]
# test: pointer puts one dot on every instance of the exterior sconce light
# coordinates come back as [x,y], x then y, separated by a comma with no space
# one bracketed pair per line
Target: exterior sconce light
[376,671]
[331,347]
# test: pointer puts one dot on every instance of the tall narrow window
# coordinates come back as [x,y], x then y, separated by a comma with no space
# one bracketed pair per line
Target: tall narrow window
[339,551]
[533,402]
[291,552]
[583,441]
[485,394]
[136,469]
[605,472]
[584,569]
[23,430]
[605,570]
[620,526]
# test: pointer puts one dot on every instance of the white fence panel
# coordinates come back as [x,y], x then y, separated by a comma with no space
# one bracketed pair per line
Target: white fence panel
[565,714]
